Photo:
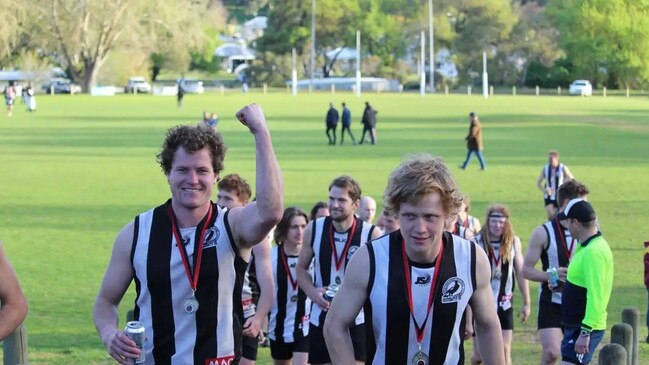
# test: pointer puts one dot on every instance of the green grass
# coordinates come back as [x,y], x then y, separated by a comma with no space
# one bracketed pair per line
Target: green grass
[73,173]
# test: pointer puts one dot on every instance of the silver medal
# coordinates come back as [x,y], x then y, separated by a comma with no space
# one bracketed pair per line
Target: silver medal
[497,274]
[190,305]
[420,358]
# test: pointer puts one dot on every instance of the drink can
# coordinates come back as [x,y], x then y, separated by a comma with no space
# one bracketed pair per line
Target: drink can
[330,293]
[554,278]
[135,331]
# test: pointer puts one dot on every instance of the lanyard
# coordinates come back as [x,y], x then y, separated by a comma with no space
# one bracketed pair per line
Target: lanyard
[193,277]
[564,243]
[419,330]
[339,260]
[288,271]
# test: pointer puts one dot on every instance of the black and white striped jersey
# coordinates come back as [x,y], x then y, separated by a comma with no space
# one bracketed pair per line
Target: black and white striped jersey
[211,333]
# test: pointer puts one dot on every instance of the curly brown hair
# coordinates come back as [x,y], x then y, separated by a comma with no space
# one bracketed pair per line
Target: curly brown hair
[192,139]
[419,176]
[233,183]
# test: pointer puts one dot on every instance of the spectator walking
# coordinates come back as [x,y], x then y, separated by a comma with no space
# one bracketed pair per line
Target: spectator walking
[474,143]
[369,123]
[10,97]
[347,122]
[30,98]
[332,123]
[180,95]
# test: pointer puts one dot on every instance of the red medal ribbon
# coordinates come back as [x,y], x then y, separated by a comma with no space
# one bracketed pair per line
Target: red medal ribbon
[564,244]
[337,260]
[193,279]
[493,257]
[419,330]
[288,271]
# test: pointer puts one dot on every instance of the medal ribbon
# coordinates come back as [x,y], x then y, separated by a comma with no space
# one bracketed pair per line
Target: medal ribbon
[564,243]
[339,260]
[193,277]
[492,256]
[419,330]
[288,271]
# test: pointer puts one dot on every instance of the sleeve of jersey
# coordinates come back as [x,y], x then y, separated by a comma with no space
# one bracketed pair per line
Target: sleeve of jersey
[598,291]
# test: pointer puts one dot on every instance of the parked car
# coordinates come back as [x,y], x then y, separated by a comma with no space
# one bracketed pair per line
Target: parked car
[193,86]
[581,87]
[138,85]
[61,86]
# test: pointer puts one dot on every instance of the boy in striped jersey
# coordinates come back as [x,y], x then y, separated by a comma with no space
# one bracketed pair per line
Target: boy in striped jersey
[552,244]
[288,325]
[420,280]
[257,293]
[330,243]
[553,174]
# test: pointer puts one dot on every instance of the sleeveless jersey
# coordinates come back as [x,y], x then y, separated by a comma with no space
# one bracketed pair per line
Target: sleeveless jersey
[392,339]
[459,230]
[213,333]
[557,254]
[503,286]
[553,179]
[250,291]
[289,316]
[325,271]
[468,223]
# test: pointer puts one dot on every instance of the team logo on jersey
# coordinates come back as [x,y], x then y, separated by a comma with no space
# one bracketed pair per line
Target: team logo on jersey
[351,251]
[452,290]
[423,280]
[211,237]
[292,264]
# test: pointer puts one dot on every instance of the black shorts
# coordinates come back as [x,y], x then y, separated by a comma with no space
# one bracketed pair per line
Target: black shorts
[548,201]
[280,350]
[506,318]
[549,315]
[318,353]
[249,347]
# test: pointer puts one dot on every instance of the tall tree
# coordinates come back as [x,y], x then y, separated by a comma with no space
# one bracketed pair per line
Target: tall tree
[13,16]
[477,26]
[83,32]
[605,38]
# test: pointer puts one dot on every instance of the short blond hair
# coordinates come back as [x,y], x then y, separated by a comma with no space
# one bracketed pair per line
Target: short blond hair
[418,176]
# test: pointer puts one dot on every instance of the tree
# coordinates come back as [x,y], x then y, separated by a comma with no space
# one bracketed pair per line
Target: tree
[83,32]
[533,39]
[12,28]
[605,40]
[477,26]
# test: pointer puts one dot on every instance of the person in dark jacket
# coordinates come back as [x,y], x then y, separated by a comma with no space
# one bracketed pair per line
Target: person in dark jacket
[332,123]
[347,122]
[474,142]
[369,123]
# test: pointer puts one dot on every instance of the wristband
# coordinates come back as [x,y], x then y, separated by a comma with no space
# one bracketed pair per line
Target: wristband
[584,333]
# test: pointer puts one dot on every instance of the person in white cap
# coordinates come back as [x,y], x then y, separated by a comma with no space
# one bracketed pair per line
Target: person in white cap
[588,285]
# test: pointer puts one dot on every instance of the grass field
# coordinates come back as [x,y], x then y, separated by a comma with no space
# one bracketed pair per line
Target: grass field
[73,173]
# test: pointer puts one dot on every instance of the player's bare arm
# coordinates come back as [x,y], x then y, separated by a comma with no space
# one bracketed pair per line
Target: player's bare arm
[345,307]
